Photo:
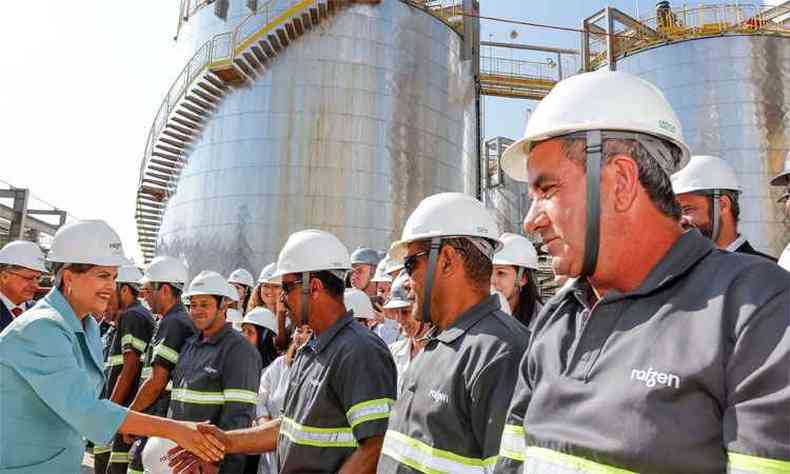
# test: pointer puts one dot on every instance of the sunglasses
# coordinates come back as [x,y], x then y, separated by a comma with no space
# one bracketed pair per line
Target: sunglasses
[410,262]
[289,286]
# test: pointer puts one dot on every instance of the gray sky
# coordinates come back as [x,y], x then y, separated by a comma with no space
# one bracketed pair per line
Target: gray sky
[82,81]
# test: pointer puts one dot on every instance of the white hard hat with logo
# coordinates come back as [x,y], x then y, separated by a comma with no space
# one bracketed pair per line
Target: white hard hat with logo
[262,317]
[598,106]
[399,293]
[129,274]
[359,302]
[154,457]
[242,277]
[212,283]
[518,251]
[164,269]
[267,274]
[705,173]
[21,253]
[91,242]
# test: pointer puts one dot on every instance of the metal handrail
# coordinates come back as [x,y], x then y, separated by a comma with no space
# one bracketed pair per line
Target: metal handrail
[518,69]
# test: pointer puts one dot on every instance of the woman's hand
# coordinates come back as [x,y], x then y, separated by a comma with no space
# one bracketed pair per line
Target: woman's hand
[203,440]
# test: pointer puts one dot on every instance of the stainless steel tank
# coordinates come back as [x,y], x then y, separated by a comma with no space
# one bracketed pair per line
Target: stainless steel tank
[347,130]
[732,95]
[507,198]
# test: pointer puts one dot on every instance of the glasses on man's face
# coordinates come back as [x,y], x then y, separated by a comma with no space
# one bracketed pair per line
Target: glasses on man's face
[28,278]
[410,262]
[289,286]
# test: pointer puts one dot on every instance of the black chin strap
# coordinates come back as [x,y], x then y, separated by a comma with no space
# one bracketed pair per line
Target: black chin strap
[716,215]
[594,151]
[305,297]
[433,256]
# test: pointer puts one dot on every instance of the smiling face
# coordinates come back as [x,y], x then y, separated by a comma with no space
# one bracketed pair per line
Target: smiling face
[205,312]
[503,279]
[90,291]
[19,284]
[558,211]
[269,294]
[696,213]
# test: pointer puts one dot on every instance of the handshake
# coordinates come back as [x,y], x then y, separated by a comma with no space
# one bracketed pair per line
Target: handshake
[201,446]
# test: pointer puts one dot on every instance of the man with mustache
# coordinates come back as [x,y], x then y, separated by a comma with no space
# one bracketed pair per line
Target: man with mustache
[663,353]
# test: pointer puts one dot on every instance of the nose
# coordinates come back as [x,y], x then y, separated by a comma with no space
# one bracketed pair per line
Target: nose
[685,222]
[536,218]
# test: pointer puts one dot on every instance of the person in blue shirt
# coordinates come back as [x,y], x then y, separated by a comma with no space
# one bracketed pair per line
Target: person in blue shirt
[51,366]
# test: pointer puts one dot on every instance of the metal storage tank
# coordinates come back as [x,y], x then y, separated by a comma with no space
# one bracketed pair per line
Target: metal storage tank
[731,92]
[346,129]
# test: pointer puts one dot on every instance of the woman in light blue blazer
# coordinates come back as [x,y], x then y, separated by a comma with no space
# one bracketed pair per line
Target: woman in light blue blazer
[51,367]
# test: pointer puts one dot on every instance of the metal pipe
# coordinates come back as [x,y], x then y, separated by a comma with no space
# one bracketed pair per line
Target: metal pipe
[529,47]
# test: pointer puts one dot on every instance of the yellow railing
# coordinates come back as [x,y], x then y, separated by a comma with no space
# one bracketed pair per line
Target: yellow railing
[450,11]
[220,50]
[687,23]
[518,69]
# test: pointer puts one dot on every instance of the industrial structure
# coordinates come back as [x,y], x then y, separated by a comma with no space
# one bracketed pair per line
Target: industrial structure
[344,114]
[20,221]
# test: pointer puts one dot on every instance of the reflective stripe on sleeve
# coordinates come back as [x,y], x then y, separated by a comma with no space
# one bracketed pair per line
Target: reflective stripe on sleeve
[240,396]
[101,449]
[430,460]
[370,410]
[547,460]
[341,437]
[113,361]
[117,457]
[745,464]
[185,395]
[512,445]
[138,344]
[133,471]
[166,353]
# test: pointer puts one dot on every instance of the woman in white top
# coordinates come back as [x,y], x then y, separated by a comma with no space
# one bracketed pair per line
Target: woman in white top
[271,394]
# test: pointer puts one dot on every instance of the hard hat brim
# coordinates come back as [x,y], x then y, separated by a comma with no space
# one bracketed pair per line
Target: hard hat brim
[397,304]
[114,261]
[782,179]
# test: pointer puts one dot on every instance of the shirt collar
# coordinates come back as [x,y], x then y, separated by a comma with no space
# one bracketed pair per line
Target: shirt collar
[8,303]
[58,302]
[324,339]
[468,319]
[216,338]
[176,309]
[735,244]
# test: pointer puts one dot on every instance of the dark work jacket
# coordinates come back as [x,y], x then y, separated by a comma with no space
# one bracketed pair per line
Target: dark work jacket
[747,248]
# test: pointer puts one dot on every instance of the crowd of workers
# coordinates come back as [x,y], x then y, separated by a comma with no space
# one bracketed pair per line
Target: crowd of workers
[667,348]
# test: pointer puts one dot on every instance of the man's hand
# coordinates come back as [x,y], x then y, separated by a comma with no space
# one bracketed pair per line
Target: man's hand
[203,440]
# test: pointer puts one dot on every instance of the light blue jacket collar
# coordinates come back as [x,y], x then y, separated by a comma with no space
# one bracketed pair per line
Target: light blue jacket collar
[90,330]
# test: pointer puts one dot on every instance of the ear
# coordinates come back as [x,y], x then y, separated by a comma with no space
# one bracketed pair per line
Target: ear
[725,204]
[315,287]
[622,173]
[447,264]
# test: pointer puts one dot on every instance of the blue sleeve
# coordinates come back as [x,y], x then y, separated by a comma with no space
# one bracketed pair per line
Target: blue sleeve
[43,355]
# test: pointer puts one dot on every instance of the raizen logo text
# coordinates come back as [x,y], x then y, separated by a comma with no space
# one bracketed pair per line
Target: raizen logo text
[439,397]
[650,378]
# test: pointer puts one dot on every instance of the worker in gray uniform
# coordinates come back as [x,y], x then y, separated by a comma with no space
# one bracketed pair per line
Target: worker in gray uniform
[663,353]
[454,396]
[782,180]
[342,383]
[133,329]
[218,371]
[165,277]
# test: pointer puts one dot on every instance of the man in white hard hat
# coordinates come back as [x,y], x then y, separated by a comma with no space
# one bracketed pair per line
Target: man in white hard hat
[663,353]
[165,278]
[21,267]
[218,371]
[514,277]
[451,409]
[363,265]
[783,181]
[134,327]
[342,381]
[707,189]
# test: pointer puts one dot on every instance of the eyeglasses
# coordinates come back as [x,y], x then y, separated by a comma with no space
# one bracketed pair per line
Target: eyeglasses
[289,286]
[410,262]
[29,279]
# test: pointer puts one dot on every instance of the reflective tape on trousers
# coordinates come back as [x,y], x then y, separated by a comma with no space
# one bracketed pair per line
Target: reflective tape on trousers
[117,457]
[368,411]
[745,464]
[512,445]
[423,458]
[341,437]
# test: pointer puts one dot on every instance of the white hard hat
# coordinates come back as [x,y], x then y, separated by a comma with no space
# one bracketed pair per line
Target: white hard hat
[91,242]
[705,173]
[358,302]
[517,250]
[783,178]
[164,269]
[262,317]
[242,277]
[234,317]
[601,100]
[155,456]
[399,294]
[267,274]
[381,275]
[312,251]
[447,215]
[21,253]
[365,255]
[129,274]
[208,282]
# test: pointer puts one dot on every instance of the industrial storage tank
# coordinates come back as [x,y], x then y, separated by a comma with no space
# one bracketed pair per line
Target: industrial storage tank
[345,116]
[726,71]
